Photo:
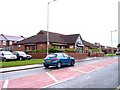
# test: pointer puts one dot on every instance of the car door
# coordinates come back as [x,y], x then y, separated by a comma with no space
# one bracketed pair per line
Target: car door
[61,58]
[66,59]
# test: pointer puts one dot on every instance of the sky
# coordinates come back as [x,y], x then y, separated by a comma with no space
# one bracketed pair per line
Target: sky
[92,19]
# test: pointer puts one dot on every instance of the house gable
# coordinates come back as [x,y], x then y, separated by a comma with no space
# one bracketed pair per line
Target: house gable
[79,41]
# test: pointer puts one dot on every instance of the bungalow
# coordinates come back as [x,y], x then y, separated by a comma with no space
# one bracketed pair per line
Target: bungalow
[61,41]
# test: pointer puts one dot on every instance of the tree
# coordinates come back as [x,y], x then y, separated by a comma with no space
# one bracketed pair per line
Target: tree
[118,45]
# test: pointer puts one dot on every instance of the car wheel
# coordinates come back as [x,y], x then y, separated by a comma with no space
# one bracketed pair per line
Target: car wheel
[72,63]
[20,58]
[59,65]
[4,59]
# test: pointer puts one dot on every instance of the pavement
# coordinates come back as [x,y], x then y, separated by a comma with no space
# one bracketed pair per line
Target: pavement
[18,68]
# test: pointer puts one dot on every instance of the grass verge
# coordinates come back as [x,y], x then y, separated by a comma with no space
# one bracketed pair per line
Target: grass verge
[20,63]
[110,55]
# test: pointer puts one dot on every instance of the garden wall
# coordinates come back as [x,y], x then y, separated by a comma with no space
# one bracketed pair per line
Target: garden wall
[77,56]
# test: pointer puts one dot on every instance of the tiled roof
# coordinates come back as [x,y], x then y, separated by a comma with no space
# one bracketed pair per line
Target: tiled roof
[88,44]
[10,38]
[54,38]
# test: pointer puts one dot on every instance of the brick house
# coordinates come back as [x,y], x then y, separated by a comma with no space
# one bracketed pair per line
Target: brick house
[61,41]
[7,41]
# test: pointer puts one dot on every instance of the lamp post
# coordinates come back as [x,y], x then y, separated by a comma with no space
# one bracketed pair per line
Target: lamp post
[111,38]
[48,24]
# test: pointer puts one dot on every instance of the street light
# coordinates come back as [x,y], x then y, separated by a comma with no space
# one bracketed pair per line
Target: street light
[111,38]
[48,24]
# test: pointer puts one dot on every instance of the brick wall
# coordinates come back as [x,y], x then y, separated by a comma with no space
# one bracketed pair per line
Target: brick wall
[38,55]
[17,48]
[41,46]
[77,56]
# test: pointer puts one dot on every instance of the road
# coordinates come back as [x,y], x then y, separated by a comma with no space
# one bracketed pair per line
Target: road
[98,73]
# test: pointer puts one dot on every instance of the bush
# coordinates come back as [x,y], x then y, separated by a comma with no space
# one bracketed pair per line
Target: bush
[53,49]
[94,50]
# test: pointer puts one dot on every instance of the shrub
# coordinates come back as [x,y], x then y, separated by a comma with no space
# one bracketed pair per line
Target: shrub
[53,49]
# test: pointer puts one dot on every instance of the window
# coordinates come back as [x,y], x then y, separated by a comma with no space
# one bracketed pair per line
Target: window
[0,42]
[10,42]
[71,46]
[65,55]
[60,55]
[4,42]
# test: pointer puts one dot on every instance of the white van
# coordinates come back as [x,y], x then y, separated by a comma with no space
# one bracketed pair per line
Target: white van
[7,55]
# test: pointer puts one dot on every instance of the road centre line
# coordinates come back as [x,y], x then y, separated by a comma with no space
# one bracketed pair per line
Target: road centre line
[55,80]
[6,84]
[77,70]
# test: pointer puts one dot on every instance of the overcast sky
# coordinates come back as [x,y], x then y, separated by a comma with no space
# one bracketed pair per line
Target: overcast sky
[93,19]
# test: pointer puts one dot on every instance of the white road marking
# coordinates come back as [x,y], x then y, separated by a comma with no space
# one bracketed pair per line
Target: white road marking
[52,77]
[77,70]
[58,82]
[91,66]
[6,84]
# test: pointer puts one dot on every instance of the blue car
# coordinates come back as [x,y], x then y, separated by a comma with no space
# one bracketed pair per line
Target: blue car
[58,60]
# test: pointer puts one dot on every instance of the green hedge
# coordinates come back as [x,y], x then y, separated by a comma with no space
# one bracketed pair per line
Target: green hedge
[52,49]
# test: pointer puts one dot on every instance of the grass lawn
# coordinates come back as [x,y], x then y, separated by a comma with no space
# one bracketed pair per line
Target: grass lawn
[20,63]
[110,55]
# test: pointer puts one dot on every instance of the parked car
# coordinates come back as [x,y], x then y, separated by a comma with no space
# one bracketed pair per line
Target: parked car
[117,53]
[7,55]
[22,55]
[58,60]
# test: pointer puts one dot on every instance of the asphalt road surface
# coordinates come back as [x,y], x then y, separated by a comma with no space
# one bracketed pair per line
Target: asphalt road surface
[97,73]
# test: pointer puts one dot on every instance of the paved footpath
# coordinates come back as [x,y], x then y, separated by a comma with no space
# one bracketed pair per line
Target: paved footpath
[54,77]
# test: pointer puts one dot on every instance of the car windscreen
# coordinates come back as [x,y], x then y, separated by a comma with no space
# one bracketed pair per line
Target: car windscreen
[22,53]
[51,56]
[7,53]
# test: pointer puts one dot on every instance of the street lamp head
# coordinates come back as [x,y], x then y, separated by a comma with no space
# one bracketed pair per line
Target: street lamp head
[114,31]
[51,1]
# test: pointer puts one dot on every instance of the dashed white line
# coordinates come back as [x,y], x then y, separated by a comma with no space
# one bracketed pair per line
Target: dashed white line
[91,66]
[6,84]
[55,80]
[77,70]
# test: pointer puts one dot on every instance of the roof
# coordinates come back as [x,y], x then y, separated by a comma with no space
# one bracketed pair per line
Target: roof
[88,44]
[53,38]
[10,38]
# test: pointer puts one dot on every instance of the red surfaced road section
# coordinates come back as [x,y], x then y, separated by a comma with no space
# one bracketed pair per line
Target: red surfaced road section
[85,68]
[64,74]
[45,79]
[35,81]
[1,84]
[103,64]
